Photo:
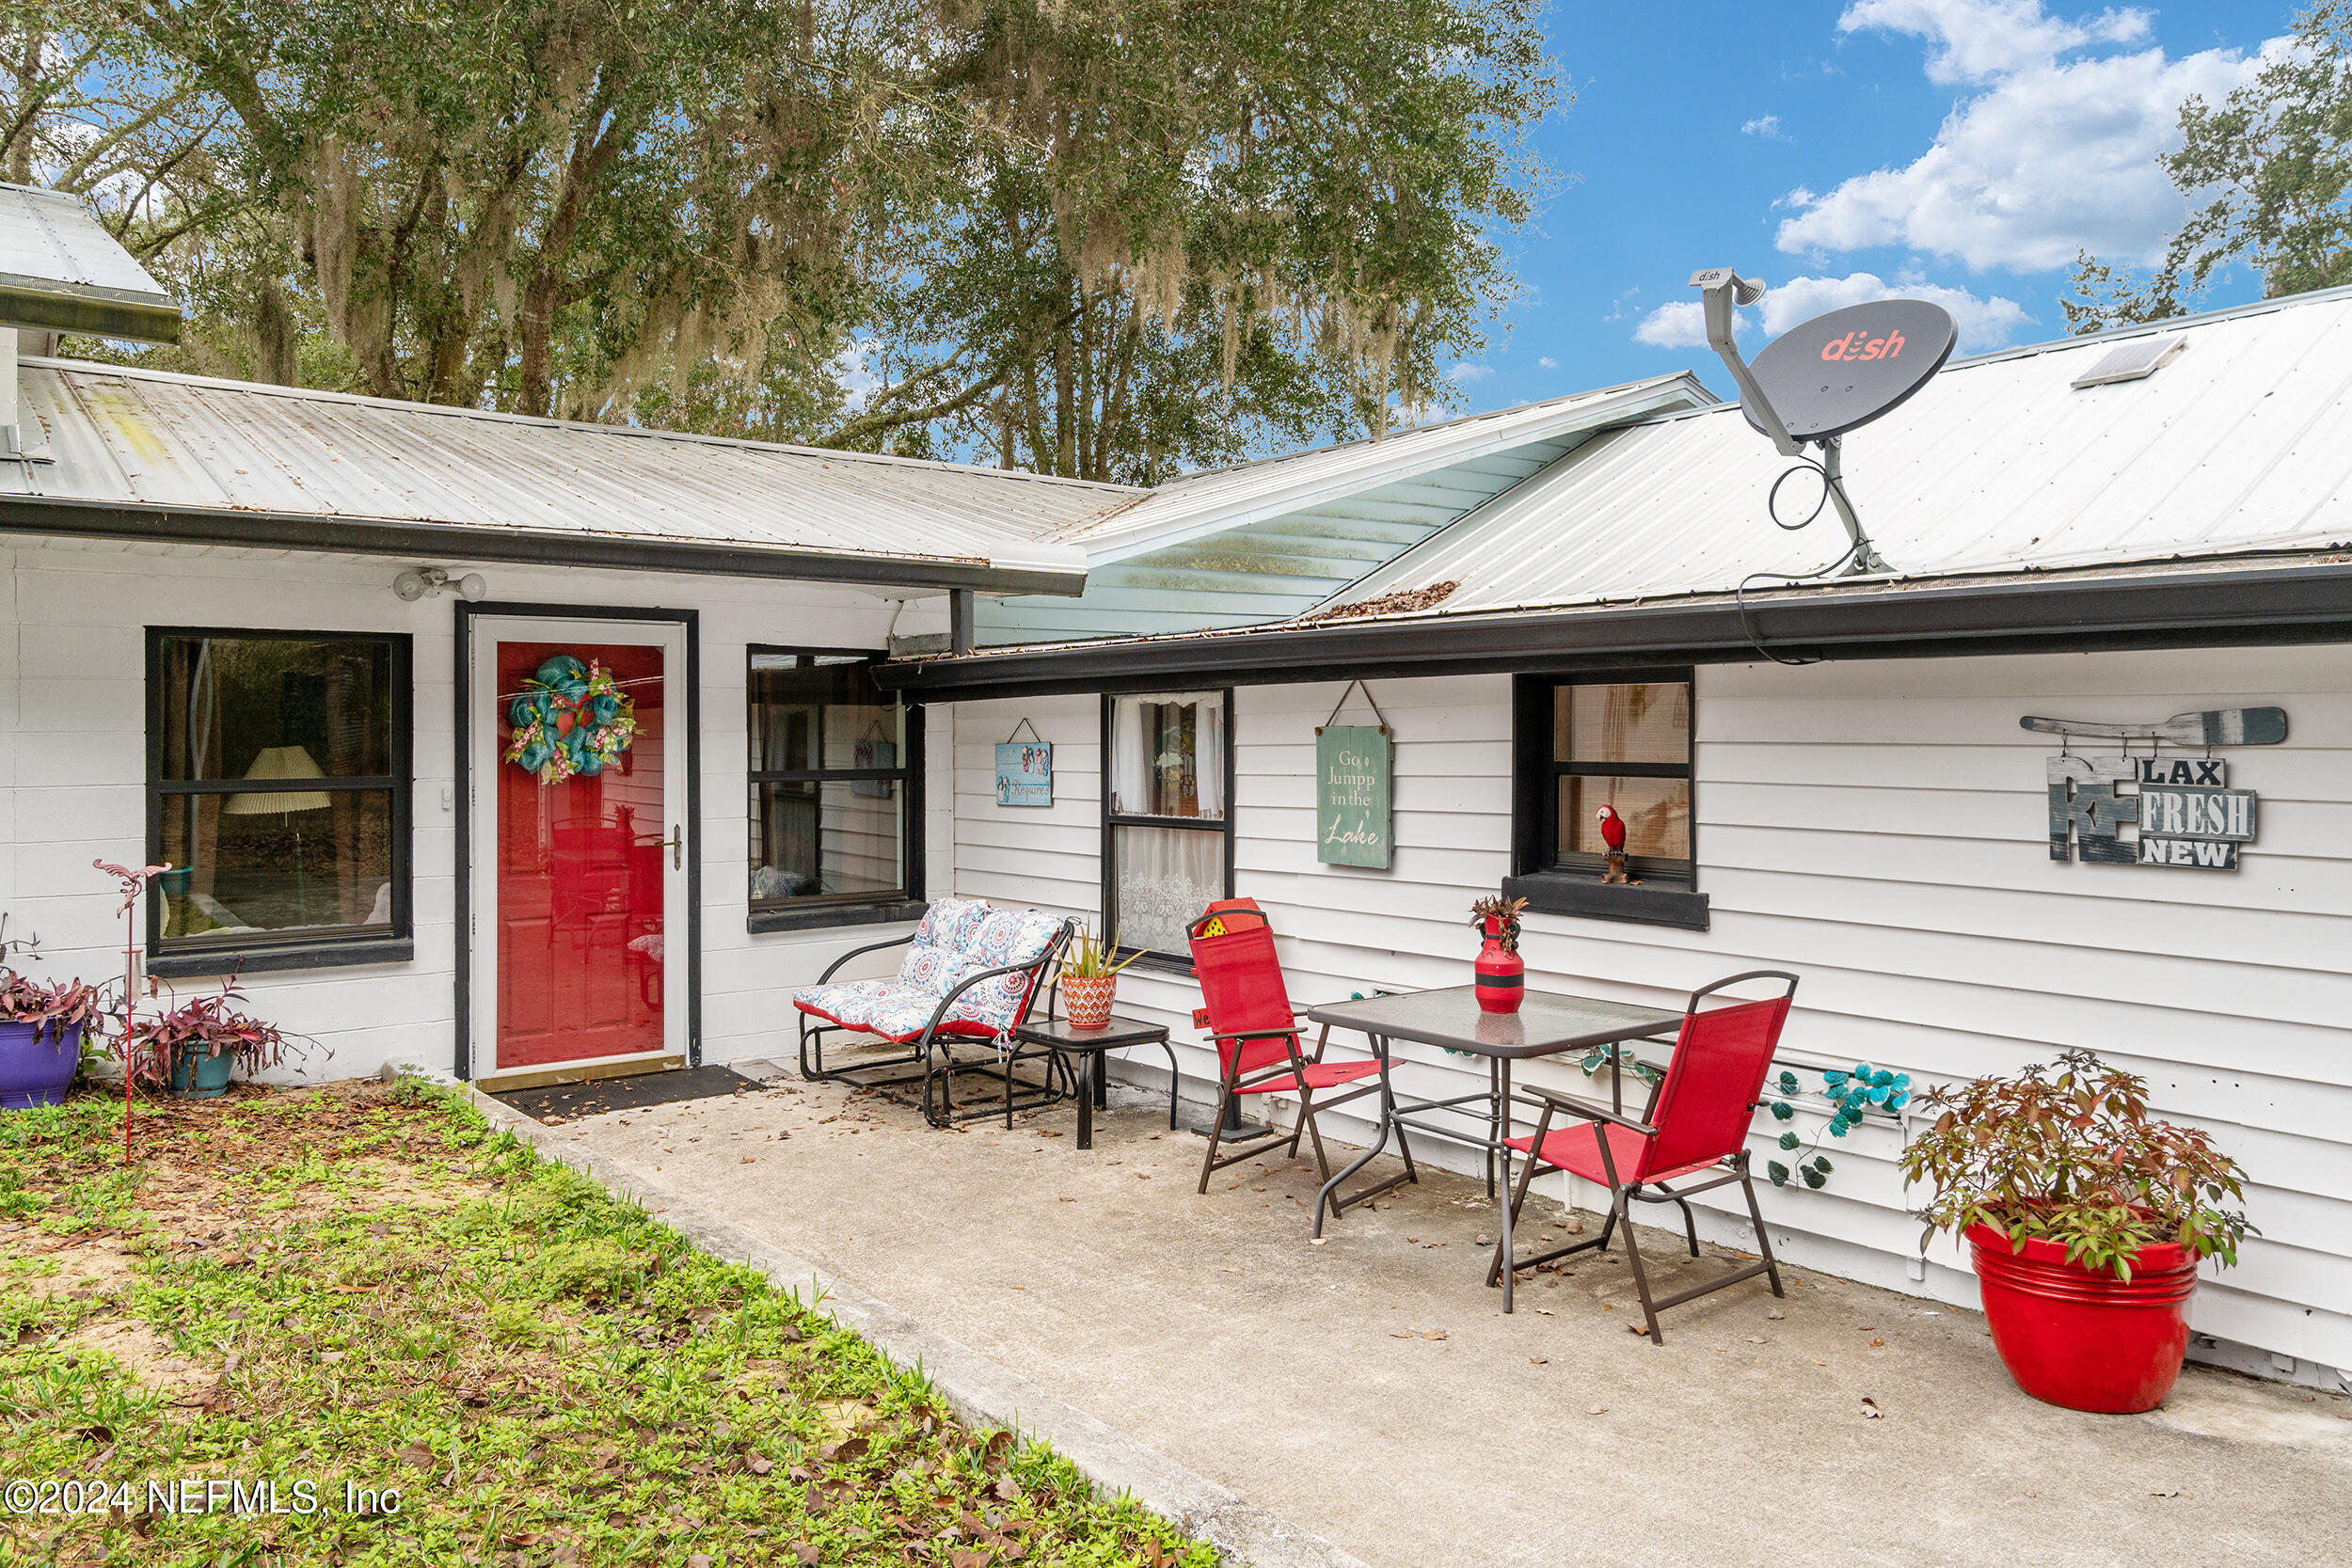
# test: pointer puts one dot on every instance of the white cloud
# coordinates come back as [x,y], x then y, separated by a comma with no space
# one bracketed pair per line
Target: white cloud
[1468,372]
[1681,325]
[1982,321]
[1976,40]
[1547,363]
[1766,126]
[2054,154]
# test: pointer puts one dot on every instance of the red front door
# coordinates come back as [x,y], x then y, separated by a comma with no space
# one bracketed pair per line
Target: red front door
[583,871]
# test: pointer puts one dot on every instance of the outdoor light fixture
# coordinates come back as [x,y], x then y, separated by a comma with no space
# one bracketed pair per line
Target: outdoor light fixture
[425,583]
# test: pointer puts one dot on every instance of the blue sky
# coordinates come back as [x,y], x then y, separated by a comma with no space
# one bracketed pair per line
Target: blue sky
[1960,151]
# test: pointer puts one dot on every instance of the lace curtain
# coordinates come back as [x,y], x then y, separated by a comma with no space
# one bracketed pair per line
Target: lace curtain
[1167,759]
[1167,877]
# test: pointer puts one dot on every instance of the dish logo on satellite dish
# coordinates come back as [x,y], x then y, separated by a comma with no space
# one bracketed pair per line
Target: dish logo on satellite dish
[1861,345]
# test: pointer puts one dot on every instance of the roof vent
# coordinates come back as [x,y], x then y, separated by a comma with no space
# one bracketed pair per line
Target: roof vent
[2142,357]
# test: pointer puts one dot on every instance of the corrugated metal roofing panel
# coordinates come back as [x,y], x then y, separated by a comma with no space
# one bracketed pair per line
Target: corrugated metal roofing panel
[61,270]
[2243,443]
[131,436]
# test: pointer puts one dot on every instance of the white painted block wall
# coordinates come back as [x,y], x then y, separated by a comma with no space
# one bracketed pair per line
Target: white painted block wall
[1881,827]
[72,760]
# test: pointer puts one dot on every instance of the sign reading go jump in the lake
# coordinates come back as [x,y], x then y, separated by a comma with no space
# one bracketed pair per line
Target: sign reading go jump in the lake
[1352,763]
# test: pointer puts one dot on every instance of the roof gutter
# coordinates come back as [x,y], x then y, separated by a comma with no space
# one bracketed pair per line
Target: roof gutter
[149,522]
[2281,604]
[46,305]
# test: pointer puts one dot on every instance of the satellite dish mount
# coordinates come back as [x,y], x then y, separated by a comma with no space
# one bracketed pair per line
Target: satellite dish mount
[1832,374]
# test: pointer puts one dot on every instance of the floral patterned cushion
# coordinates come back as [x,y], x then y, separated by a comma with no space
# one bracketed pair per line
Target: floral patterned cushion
[928,967]
[884,1008]
[950,922]
[958,939]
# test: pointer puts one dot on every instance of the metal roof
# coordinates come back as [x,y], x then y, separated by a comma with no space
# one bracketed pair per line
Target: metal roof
[2240,445]
[60,271]
[142,453]
[1214,500]
[1269,540]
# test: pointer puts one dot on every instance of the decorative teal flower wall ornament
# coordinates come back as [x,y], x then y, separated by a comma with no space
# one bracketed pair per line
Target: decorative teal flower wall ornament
[1855,1094]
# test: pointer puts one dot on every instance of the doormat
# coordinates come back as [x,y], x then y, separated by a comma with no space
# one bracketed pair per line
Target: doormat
[561,1102]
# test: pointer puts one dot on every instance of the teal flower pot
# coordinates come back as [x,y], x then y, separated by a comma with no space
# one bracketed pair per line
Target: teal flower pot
[196,1075]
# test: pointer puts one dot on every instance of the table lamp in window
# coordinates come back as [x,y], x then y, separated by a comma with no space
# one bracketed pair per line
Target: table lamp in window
[289,763]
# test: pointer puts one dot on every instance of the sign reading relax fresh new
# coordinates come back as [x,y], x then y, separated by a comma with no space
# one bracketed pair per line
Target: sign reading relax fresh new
[2187,816]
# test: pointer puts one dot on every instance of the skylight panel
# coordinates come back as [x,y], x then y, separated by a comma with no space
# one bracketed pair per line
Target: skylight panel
[2132,361]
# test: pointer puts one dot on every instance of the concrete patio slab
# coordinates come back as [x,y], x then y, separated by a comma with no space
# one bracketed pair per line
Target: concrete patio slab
[1370,1391]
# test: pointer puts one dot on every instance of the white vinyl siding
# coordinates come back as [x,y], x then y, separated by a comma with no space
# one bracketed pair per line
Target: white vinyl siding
[1881,827]
[73,770]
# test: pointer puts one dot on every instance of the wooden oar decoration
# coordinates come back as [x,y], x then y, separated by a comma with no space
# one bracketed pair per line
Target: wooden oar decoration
[2221,726]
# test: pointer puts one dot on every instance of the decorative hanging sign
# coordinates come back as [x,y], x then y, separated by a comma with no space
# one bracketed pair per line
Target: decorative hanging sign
[1025,769]
[2187,815]
[570,720]
[1353,764]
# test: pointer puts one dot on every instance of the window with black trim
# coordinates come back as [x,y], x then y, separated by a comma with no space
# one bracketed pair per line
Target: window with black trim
[278,791]
[1624,744]
[834,770]
[1167,791]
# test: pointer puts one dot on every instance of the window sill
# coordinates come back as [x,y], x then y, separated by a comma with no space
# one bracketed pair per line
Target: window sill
[1162,964]
[820,917]
[1656,903]
[262,960]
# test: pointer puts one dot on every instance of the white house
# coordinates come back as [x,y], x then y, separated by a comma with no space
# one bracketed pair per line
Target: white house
[1827,775]
[286,642]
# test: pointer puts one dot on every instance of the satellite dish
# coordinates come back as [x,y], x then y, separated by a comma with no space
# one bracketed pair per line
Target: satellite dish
[1844,369]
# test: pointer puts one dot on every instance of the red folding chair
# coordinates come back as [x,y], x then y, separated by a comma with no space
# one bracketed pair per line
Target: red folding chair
[1697,1120]
[1249,1010]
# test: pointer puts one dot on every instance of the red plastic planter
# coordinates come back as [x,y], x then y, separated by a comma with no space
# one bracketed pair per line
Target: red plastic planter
[2082,1339]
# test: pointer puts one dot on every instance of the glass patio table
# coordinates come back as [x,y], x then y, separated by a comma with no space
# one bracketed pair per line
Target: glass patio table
[1547,1024]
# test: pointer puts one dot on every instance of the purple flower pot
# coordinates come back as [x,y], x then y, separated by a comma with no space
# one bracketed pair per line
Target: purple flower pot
[37,1063]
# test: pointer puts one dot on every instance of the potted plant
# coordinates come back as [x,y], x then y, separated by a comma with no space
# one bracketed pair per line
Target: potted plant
[195,1046]
[1090,979]
[42,1031]
[1501,973]
[2087,1218]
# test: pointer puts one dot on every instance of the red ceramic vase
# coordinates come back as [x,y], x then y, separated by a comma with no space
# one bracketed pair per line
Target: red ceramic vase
[1502,976]
[2083,1338]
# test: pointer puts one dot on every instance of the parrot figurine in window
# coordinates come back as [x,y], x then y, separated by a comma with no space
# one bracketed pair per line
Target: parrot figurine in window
[1611,834]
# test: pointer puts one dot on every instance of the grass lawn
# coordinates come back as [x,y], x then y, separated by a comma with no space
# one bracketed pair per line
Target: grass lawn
[355,1289]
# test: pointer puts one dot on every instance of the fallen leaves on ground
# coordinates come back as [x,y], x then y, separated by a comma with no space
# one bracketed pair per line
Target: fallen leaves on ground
[552,1378]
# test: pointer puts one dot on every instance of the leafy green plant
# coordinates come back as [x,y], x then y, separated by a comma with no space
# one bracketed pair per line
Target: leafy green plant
[2074,1158]
[1090,956]
[69,1005]
[206,1026]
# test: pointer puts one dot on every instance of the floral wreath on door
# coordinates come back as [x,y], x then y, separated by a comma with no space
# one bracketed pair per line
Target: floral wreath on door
[570,720]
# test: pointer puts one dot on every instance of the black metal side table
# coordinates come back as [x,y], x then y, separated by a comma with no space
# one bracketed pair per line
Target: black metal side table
[1089,1045]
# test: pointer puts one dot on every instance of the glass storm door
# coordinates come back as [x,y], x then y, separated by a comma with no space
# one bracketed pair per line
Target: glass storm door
[579,881]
